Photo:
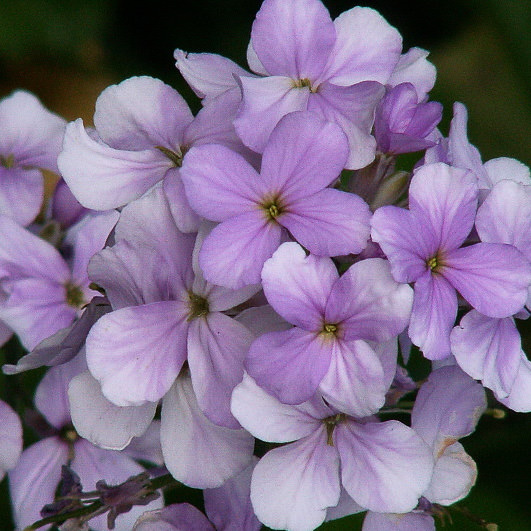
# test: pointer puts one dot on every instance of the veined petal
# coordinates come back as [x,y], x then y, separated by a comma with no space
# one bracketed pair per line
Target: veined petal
[446,198]
[414,68]
[292,486]
[519,398]
[293,38]
[234,253]
[489,350]
[32,483]
[433,316]
[100,421]
[21,194]
[448,407]
[354,382]
[208,74]
[189,438]
[101,177]
[272,421]
[265,101]
[367,48]
[217,345]
[397,232]
[136,353]
[503,168]
[220,183]
[493,277]
[297,286]
[141,113]
[385,466]
[289,365]
[304,154]
[368,302]
[329,223]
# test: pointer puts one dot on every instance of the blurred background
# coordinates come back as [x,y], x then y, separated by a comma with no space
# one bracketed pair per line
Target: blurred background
[68,51]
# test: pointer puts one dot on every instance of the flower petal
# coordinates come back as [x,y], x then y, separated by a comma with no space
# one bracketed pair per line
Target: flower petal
[21,194]
[10,438]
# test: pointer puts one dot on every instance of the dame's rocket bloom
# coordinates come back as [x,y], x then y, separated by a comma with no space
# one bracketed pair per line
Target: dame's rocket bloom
[304,155]
[30,140]
[424,246]
[335,318]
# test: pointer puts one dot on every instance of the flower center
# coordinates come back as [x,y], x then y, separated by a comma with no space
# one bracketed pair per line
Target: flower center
[68,434]
[272,208]
[304,83]
[74,296]
[330,424]
[435,262]
[7,162]
[175,157]
[197,306]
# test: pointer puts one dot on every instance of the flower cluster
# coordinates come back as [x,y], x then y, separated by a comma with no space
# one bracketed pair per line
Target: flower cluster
[261,271]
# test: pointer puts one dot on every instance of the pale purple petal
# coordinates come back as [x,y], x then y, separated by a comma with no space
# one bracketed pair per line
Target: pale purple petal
[22,254]
[291,364]
[298,286]
[445,198]
[433,316]
[93,464]
[176,517]
[413,67]
[344,507]
[217,346]
[385,466]
[489,350]
[448,407]
[141,113]
[265,102]
[262,319]
[352,108]
[292,486]
[293,38]
[519,398]
[368,303]
[454,475]
[229,506]
[147,446]
[101,177]
[398,522]
[354,382]
[367,48]
[305,154]
[220,183]
[32,483]
[65,208]
[21,194]
[10,438]
[185,217]
[507,168]
[51,395]
[29,131]
[189,438]
[493,277]
[35,310]
[254,63]
[87,237]
[272,421]
[208,74]
[505,216]
[102,422]
[136,353]
[234,252]
[329,223]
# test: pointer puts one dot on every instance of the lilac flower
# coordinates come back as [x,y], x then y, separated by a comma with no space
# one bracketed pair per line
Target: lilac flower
[144,128]
[304,155]
[34,480]
[165,313]
[383,466]
[30,140]
[334,319]
[42,292]
[403,124]
[334,68]
[424,246]
[10,438]
[65,208]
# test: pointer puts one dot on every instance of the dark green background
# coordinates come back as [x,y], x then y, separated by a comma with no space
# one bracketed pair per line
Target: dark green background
[66,52]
